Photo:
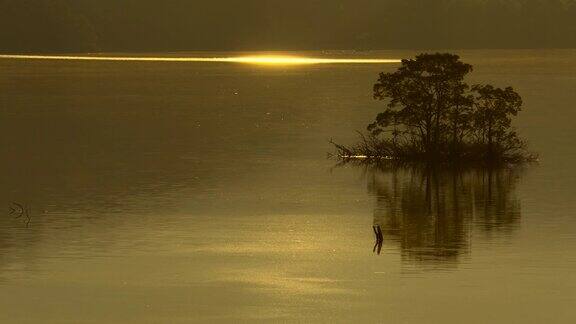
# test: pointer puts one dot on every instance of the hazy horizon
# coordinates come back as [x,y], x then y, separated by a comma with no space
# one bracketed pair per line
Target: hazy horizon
[65,26]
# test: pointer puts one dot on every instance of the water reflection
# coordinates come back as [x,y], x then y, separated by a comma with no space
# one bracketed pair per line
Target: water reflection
[432,213]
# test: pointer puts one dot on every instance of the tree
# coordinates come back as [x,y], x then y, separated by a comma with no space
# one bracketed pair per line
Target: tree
[459,117]
[432,114]
[492,118]
[423,93]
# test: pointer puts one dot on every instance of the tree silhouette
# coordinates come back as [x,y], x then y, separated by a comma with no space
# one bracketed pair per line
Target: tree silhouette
[422,92]
[432,114]
[492,120]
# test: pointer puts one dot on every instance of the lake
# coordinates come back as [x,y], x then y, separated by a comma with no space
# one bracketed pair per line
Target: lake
[167,192]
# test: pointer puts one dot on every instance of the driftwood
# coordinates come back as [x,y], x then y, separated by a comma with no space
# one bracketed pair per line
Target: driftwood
[379,239]
[21,211]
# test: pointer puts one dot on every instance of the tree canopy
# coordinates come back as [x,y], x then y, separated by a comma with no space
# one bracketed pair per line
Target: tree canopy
[433,114]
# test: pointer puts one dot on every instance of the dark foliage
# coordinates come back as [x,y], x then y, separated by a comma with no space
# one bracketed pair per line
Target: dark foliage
[432,114]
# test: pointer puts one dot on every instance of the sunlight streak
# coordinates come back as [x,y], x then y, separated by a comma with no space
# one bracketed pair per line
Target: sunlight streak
[260,59]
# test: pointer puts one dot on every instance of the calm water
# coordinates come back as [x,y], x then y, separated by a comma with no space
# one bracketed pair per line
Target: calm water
[178,192]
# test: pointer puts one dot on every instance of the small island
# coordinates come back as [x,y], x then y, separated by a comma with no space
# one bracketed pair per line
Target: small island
[433,115]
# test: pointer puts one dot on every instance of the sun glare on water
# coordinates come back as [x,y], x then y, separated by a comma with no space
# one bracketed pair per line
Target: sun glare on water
[292,60]
[258,59]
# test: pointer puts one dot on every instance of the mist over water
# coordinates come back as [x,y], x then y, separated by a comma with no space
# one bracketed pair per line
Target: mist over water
[176,192]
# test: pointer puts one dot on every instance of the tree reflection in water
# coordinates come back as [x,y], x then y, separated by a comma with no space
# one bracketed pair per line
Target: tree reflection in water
[431,212]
